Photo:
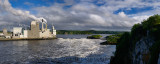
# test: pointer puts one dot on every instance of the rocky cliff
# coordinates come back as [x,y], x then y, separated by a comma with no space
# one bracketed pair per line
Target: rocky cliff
[141,45]
[141,52]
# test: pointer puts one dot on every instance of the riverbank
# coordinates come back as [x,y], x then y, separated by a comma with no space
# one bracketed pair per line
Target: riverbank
[105,43]
[76,32]
[16,39]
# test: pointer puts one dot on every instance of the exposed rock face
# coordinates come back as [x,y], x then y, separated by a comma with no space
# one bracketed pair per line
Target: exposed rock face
[141,45]
[141,53]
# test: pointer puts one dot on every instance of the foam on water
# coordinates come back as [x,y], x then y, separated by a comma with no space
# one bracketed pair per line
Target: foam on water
[80,47]
[86,51]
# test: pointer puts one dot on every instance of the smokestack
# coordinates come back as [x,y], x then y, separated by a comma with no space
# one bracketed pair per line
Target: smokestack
[42,25]
[46,26]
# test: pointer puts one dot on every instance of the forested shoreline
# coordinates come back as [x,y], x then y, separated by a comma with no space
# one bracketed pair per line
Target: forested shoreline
[88,32]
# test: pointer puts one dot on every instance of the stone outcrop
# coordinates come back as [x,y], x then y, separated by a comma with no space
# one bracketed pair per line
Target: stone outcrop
[141,45]
[141,52]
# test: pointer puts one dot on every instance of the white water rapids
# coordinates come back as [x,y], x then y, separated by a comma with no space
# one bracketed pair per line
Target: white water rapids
[59,51]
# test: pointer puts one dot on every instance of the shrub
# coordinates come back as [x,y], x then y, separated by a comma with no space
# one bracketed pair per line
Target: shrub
[94,37]
[122,50]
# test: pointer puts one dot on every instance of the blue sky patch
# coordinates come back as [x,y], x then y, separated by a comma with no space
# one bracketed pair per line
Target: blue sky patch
[133,10]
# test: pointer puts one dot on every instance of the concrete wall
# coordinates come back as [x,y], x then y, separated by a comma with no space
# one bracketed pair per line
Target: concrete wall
[16,35]
[17,30]
[54,32]
[25,34]
[6,34]
[45,34]
[21,36]
[5,31]
[34,32]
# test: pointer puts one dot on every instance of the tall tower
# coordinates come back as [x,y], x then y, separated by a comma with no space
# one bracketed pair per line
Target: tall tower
[34,32]
[46,26]
[53,30]
[44,29]
[42,26]
[6,34]
[5,31]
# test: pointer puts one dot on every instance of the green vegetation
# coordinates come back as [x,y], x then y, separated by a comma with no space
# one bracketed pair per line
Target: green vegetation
[111,39]
[87,32]
[122,50]
[126,43]
[94,37]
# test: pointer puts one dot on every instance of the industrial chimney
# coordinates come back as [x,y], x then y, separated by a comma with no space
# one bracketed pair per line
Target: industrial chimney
[42,25]
[46,26]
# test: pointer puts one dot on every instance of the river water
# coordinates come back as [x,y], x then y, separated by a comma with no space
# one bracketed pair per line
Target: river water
[67,49]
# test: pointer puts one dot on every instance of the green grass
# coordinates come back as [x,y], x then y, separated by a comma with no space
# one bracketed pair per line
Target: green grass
[94,37]
[111,39]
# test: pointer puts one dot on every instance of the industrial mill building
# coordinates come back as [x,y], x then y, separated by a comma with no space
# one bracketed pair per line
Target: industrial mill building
[33,32]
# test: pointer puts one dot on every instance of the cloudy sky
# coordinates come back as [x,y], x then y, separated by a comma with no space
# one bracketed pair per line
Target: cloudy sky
[78,14]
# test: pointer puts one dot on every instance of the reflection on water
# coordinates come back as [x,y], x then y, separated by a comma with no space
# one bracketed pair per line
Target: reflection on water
[53,51]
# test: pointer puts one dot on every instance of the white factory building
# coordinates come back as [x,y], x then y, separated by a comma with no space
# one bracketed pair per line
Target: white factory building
[34,31]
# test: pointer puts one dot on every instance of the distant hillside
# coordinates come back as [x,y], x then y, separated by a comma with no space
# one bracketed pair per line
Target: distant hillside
[87,32]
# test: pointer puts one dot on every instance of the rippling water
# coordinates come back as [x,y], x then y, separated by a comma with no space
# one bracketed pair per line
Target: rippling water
[58,51]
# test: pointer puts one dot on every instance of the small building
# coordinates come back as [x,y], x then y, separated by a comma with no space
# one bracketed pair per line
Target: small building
[17,32]
[53,30]
[25,33]
[6,34]
[2,35]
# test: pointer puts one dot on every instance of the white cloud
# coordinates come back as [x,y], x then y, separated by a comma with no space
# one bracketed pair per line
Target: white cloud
[7,7]
[84,15]
[26,14]
[140,18]
[122,14]
[97,19]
